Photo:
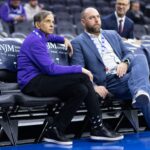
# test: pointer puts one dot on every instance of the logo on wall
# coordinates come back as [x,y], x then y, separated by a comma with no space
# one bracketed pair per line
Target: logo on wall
[9,49]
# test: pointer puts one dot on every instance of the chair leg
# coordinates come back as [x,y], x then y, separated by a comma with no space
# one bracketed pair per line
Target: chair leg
[118,124]
[14,129]
[47,121]
[132,116]
[78,134]
[7,128]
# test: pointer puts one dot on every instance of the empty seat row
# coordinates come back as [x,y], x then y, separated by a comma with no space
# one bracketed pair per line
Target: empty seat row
[74,2]
[73,9]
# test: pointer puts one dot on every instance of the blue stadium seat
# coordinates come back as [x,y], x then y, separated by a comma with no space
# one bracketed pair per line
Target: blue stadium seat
[75,9]
[106,10]
[77,18]
[63,17]
[58,8]
[101,4]
[24,27]
[74,2]
[79,28]
[62,2]
[88,3]
[147,10]
[139,31]
[66,28]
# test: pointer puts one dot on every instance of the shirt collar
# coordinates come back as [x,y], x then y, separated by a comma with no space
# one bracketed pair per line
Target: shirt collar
[119,18]
[40,34]
[92,35]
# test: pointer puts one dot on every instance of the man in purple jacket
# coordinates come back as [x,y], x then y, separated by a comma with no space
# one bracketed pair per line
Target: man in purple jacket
[12,12]
[38,75]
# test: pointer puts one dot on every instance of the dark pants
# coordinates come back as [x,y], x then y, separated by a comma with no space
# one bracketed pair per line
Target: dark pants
[73,89]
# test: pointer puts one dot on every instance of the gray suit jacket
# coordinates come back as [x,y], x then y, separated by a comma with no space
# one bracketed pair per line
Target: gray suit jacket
[87,55]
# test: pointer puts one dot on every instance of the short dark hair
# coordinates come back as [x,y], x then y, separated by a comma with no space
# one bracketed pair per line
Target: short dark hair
[41,16]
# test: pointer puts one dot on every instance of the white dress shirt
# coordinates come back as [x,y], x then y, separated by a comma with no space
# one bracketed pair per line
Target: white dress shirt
[109,58]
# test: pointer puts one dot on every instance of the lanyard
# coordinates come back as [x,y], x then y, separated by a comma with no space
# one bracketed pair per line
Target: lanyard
[103,44]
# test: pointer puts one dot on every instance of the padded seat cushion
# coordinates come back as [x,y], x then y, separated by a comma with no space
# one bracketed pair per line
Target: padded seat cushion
[8,86]
[30,101]
[7,100]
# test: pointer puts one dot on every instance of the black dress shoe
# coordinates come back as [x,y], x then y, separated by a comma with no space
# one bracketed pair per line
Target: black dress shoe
[102,133]
[141,100]
[54,136]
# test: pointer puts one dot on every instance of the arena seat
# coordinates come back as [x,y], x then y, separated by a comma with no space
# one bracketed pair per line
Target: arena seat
[54,2]
[79,28]
[5,27]
[88,3]
[75,9]
[139,31]
[74,2]
[63,16]
[147,10]
[59,8]
[24,27]
[66,27]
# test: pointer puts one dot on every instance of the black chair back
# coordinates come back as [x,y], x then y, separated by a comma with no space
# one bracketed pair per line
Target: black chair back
[9,49]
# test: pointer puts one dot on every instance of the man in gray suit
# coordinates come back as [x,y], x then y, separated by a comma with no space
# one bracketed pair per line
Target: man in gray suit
[116,70]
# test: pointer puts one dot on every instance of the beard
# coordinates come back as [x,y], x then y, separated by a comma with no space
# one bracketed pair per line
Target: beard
[94,29]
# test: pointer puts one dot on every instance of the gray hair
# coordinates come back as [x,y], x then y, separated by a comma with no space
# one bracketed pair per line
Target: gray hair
[41,16]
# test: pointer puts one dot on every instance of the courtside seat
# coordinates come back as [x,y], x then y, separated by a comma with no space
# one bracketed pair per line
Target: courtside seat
[49,103]
[31,101]
[8,87]
[6,101]
[14,97]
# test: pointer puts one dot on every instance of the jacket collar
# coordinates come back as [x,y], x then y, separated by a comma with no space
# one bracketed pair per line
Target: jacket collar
[40,34]
[93,47]
[110,41]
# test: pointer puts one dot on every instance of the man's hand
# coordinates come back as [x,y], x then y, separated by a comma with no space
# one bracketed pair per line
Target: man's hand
[87,72]
[68,46]
[122,69]
[101,90]
[19,18]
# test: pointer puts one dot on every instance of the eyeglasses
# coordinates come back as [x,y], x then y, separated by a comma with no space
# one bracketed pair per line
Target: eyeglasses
[122,4]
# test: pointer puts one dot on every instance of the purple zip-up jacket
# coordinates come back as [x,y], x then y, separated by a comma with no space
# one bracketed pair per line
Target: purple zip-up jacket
[34,59]
[8,13]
